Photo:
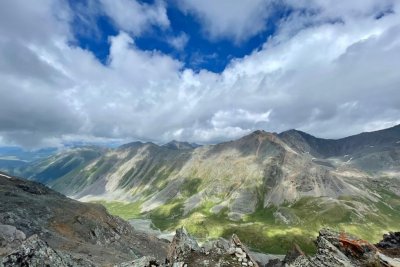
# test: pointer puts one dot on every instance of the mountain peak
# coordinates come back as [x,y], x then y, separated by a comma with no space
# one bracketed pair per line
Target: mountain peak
[259,132]
[131,145]
[179,145]
[294,132]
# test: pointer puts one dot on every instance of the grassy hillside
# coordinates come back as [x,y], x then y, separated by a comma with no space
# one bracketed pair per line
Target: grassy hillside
[265,231]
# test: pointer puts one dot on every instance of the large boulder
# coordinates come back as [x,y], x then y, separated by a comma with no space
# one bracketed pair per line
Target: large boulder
[184,251]
[183,244]
[145,261]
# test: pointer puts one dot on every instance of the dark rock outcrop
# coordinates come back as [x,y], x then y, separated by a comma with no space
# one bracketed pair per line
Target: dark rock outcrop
[34,252]
[85,231]
[182,245]
[390,244]
[184,251]
[293,254]
[340,249]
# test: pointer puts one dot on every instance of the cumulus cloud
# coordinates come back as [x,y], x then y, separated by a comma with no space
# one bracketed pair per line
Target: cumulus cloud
[178,42]
[332,8]
[331,78]
[135,17]
[233,19]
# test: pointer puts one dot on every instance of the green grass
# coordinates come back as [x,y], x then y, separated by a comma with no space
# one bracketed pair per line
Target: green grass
[124,210]
[262,232]
[167,216]
[190,187]
[273,239]
[258,230]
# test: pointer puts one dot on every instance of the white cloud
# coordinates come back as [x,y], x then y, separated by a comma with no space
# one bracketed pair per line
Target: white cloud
[239,118]
[331,79]
[234,19]
[178,42]
[239,20]
[343,9]
[29,21]
[135,17]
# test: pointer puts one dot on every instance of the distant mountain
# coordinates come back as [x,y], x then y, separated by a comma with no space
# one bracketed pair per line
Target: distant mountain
[364,142]
[180,145]
[15,157]
[61,164]
[290,181]
[10,164]
[371,151]
[26,155]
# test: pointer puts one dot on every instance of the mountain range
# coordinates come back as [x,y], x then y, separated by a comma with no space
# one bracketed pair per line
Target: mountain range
[275,188]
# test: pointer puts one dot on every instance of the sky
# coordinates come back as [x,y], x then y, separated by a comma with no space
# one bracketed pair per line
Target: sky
[204,71]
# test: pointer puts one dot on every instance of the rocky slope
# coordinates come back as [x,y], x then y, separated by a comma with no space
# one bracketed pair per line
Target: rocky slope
[287,181]
[333,250]
[341,249]
[66,231]
[39,227]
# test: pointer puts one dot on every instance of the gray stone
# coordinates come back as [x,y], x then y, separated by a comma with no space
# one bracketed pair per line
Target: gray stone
[145,261]
[10,239]
[181,245]
[34,252]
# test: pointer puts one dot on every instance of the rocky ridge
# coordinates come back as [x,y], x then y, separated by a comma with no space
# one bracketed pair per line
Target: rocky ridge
[341,249]
[40,222]
[36,252]
[333,250]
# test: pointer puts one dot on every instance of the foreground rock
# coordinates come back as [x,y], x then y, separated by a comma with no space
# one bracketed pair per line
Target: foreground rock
[36,252]
[340,249]
[79,232]
[333,250]
[142,262]
[184,251]
[390,244]
[10,239]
